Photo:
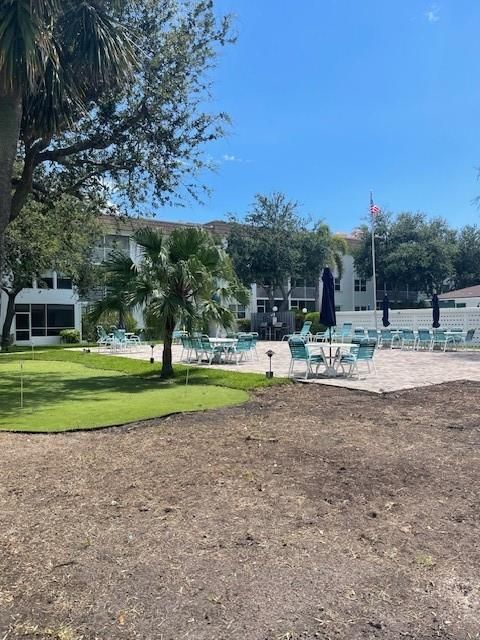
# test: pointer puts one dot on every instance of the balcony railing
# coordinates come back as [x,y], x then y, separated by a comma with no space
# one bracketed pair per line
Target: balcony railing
[398,295]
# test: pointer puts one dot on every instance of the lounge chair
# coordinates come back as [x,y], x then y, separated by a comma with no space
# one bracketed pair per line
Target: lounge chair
[304,333]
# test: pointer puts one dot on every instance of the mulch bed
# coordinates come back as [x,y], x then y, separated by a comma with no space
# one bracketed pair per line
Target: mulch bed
[310,512]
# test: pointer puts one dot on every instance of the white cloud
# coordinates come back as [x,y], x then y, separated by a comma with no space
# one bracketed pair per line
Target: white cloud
[432,14]
[228,158]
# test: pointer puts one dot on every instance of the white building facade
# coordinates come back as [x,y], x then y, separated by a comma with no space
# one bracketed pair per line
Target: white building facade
[41,313]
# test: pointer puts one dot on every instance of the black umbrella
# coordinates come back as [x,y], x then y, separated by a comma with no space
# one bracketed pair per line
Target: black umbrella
[435,311]
[385,303]
[327,310]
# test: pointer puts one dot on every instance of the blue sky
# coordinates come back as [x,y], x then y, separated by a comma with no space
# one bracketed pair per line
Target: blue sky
[332,98]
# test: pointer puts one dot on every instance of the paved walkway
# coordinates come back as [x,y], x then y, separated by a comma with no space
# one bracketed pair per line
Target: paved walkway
[396,369]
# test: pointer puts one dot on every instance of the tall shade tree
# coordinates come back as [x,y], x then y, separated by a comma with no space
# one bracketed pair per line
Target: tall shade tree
[274,243]
[107,94]
[184,278]
[467,257]
[43,237]
[56,58]
[412,252]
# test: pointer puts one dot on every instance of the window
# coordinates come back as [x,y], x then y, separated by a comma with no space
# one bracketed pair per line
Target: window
[309,305]
[59,316]
[360,284]
[338,307]
[22,324]
[338,284]
[64,282]
[238,310]
[39,320]
[45,282]
[362,308]
[262,306]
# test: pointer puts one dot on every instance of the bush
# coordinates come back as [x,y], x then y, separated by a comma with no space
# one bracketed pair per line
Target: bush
[70,336]
[314,318]
[244,324]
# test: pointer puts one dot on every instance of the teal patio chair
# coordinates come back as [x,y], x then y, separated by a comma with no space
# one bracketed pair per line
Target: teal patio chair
[409,339]
[241,349]
[299,352]
[386,338]
[187,347]
[468,339]
[424,339]
[103,338]
[363,352]
[304,333]
[439,339]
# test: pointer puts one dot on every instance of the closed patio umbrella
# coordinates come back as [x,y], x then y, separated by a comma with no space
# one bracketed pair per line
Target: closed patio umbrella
[327,310]
[385,305]
[435,312]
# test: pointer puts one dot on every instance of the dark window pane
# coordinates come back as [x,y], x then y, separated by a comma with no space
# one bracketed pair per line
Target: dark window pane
[38,316]
[39,332]
[60,316]
[22,335]
[55,332]
[22,307]
[64,283]
[22,321]
[45,282]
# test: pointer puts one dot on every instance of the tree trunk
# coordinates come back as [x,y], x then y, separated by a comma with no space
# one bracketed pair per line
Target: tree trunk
[167,368]
[10,118]
[7,323]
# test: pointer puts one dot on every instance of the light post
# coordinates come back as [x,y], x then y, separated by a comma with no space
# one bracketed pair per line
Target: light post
[270,354]
[152,359]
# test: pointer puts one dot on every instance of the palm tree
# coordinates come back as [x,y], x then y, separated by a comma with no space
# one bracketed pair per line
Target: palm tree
[118,272]
[184,278]
[55,57]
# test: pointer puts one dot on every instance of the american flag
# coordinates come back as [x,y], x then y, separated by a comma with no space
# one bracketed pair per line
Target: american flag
[374,210]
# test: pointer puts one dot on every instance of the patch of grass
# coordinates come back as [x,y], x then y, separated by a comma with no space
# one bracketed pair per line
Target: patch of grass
[63,395]
[143,368]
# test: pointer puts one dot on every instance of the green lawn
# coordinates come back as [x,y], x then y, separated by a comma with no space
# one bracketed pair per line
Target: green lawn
[63,395]
[75,390]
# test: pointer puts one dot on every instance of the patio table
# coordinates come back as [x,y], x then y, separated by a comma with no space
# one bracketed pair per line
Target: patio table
[222,342]
[336,347]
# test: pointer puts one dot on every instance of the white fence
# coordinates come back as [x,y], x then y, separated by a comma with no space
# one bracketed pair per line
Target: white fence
[465,319]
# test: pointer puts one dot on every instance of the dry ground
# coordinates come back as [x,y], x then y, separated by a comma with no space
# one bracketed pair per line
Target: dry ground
[311,512]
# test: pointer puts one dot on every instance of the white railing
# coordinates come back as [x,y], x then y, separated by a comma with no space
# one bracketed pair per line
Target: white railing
[465,319]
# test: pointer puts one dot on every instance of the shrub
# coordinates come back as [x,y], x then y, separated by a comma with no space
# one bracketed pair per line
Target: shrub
[70,336]
[244,324]
[314,318]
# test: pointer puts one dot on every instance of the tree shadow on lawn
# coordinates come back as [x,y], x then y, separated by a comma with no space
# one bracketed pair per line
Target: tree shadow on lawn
[48,389]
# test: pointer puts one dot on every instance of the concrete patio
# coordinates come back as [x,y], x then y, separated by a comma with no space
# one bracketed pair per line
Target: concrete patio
[396,369]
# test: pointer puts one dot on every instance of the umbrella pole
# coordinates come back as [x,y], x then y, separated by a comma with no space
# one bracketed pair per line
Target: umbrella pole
[330,349]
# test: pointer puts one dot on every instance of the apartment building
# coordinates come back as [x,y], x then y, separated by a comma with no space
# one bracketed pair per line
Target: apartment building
[42,312]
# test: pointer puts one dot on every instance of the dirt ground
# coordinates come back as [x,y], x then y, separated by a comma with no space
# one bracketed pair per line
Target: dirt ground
[311,512]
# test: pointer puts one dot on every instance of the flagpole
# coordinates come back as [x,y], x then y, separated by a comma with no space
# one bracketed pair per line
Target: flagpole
[374,276]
